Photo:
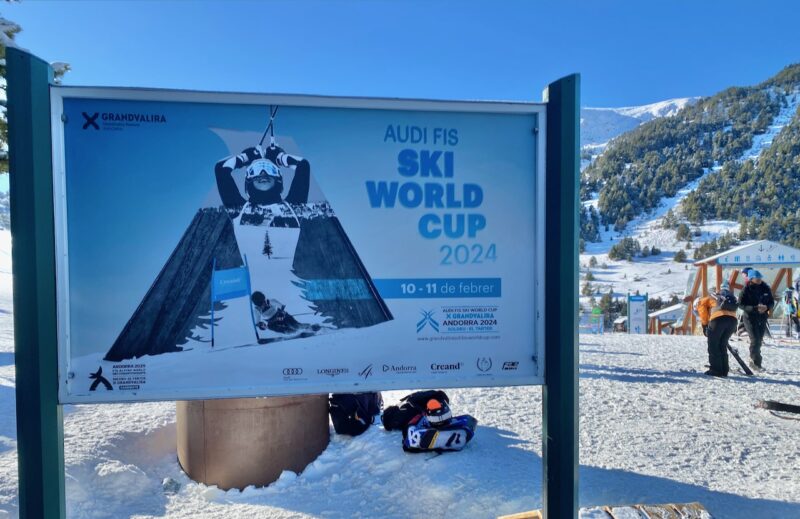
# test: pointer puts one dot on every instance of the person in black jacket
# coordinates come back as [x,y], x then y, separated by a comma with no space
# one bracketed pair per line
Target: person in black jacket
[756,301]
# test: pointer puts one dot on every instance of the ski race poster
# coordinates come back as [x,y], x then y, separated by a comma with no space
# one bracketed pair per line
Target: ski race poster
[232,245]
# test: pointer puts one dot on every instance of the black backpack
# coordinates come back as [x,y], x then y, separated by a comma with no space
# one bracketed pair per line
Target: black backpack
[353,413]
[397,418]
[727,301]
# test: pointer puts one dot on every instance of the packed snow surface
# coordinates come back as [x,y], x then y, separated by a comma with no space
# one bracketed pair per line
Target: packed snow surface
[653,429]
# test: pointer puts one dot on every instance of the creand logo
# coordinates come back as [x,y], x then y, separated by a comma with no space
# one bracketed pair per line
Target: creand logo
[333,372]
[444,368]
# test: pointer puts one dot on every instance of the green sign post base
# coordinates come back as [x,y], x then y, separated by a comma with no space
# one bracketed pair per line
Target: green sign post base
[40,435]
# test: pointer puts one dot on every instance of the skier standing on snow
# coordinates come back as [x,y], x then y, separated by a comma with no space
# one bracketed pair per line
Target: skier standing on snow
[718,317]
[756,301]
[790,309]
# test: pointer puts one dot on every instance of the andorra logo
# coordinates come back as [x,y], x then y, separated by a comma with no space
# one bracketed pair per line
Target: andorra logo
[484,363]
[427,320]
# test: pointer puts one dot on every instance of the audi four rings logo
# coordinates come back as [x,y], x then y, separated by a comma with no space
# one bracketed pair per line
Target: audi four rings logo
[292,371]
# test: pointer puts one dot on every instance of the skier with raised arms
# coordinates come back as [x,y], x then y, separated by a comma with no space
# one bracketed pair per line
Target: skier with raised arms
[262,213]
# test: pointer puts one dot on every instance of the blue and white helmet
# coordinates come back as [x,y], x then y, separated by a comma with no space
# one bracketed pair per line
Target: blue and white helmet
[262,167]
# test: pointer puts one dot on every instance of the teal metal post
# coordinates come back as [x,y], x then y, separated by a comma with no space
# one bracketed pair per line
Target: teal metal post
[560,397]
[40,434]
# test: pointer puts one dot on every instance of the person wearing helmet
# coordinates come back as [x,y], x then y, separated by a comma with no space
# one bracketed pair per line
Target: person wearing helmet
[438,413]
[718,316]
[263,178]
[790,312]
[270,314]
[756,301]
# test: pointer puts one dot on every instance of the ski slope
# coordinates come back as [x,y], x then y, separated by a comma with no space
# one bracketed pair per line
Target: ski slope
[660,276]
[653,429]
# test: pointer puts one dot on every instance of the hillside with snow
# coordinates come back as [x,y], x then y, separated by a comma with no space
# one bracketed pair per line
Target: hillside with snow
[660,276]
[600,125]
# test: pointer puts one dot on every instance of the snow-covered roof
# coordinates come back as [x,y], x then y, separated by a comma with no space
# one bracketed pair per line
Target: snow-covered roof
[674,309]
[620,320]
[762,253]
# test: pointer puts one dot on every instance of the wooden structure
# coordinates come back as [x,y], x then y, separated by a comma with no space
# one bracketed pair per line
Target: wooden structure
[239,442]
[659,320]
[774,260]
[668,511]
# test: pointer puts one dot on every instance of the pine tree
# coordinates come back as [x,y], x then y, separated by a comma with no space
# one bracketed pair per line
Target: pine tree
[267,246]
[8,31]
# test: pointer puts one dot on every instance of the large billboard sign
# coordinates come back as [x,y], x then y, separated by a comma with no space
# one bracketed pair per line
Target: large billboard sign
[228,245]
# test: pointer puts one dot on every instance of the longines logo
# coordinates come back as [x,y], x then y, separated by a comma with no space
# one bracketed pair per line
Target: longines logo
[366,372]
[443,368]
[333,372]
[289,372]
[401,369]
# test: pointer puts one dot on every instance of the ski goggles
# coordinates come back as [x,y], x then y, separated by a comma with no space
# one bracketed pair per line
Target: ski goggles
[262,167]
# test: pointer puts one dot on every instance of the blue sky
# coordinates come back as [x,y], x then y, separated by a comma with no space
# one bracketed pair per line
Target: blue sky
[628,52]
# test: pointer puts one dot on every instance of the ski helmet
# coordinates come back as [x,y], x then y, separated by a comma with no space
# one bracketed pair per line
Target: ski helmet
[258,298]
[437,412]
[262,167]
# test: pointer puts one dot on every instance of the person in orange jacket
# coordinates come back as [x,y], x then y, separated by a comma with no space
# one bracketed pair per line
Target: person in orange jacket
[718,316]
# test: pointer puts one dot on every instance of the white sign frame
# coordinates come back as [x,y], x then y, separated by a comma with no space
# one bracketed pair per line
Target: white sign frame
[537,313]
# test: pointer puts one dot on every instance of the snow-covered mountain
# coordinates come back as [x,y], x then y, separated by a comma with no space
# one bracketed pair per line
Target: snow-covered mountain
[600,125]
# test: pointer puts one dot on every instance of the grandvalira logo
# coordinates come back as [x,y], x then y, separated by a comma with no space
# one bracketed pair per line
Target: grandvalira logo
[91,120]
[119,120]
[444,368]
[484,364]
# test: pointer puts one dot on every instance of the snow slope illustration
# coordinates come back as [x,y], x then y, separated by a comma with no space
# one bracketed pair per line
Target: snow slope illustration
[297,255]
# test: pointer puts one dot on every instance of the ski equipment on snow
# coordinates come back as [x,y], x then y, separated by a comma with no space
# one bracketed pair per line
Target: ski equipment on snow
[735,353]
[397,418]
[353,413]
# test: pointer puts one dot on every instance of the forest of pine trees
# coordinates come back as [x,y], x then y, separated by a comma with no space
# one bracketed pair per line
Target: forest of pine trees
[658,158]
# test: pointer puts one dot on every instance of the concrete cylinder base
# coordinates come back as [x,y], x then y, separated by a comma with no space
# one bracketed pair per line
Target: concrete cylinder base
[249,441]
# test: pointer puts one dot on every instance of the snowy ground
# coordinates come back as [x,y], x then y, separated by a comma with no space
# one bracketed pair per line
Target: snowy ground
[653,429]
